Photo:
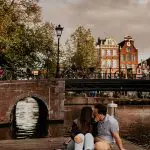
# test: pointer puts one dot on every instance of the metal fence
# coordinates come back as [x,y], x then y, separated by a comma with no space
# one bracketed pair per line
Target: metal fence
[42,73]
[103,74]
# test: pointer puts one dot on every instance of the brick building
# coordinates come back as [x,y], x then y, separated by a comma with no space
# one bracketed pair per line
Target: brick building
[113,58]
[128,56]
[143,69]
[107,57]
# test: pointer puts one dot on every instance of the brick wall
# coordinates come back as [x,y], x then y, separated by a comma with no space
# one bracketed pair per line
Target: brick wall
[52,93]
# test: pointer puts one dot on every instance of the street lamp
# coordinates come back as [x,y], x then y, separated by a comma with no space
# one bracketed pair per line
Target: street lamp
[119,62]
[99,58]
[59,30]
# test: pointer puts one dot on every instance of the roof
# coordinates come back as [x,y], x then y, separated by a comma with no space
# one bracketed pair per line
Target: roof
[147,61]
[100,41]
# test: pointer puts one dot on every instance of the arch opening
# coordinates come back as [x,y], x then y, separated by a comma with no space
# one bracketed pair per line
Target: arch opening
[29,118]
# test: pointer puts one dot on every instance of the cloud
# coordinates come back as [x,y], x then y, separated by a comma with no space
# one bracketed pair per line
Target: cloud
[115,18]
[142,1]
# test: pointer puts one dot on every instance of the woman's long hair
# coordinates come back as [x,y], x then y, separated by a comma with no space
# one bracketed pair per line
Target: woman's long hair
[85,119]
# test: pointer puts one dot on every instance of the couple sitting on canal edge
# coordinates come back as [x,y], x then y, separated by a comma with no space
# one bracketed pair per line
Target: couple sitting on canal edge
[95,130]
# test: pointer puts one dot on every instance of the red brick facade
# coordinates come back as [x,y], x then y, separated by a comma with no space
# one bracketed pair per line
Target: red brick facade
[128,55]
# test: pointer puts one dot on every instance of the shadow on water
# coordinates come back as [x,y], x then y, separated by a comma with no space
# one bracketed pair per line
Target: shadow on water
[29,119]
[42,123]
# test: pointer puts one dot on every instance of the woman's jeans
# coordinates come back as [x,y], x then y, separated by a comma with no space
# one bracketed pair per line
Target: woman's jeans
[86,144]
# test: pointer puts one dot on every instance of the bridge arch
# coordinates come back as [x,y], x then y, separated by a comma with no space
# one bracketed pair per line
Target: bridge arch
[41,101]
[50,93]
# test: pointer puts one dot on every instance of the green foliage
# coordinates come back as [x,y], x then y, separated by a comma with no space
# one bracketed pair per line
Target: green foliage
[46,47]
[82,48]
[24,41]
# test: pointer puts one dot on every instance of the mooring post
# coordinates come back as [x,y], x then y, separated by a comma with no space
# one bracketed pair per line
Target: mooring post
[111,109]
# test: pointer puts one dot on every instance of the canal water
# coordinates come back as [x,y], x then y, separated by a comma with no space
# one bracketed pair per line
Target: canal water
[30,123]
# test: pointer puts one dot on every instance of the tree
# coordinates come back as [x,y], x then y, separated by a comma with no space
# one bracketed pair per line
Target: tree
[83,49]
[46,47]
[15,32]
[67,54]
[24,40]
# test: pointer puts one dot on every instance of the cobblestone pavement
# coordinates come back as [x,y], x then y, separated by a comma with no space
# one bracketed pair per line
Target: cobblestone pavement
[47,144]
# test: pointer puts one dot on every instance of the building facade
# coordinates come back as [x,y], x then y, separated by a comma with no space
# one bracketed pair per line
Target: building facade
[107,57]
[128,57]
[116,60]
[143,69]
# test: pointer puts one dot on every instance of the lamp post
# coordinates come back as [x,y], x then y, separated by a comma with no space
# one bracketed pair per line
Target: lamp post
[119,62]
[59,30]
[99,58]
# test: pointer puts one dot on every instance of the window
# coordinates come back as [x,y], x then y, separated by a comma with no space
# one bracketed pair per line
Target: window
[114,63]
[123,58]
[103,52]
[109,63]
[139,70]
[114,52]
[108,52]
[128,49]
[134,57]
[133,67]
[128,57]
[129,66]
[104,63]
[123,66]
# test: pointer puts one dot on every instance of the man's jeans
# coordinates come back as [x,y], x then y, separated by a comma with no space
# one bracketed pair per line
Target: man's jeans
[86,144]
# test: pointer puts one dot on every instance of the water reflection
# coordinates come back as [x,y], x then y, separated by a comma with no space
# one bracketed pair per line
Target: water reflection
[27,114]
[29,119]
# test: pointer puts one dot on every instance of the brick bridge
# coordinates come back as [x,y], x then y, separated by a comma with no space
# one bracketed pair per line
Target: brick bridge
[50,94]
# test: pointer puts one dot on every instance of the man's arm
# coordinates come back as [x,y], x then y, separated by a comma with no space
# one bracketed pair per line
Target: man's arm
[118,140]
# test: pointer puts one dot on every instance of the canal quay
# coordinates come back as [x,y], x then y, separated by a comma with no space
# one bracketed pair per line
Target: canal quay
[49,144]
[30,104]
[58,136]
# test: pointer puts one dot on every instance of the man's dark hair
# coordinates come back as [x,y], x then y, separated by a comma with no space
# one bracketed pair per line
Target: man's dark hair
[102,109]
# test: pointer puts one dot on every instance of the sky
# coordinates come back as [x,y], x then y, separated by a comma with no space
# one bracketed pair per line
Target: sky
[115,18]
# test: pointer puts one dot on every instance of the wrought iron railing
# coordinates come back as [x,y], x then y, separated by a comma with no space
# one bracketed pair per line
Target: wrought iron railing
[7,73]
[42,73]
[103,73]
